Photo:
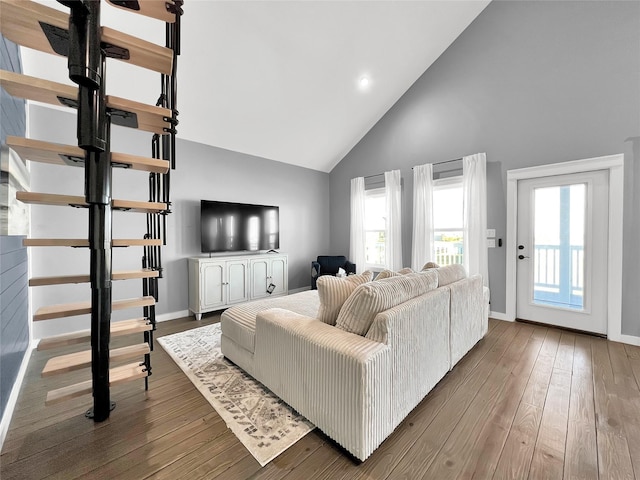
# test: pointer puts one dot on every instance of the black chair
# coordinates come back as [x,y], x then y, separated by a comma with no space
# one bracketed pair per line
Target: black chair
[329,265]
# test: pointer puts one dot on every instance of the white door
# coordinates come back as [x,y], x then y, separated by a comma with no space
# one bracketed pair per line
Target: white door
[562,250]
[212,294]
[237,281]
[259,277]
[277,275]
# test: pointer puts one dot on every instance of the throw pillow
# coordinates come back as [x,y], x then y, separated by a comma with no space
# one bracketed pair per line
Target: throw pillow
[369,299]
[333,291]
[429,265]
[386,274]
[450,273]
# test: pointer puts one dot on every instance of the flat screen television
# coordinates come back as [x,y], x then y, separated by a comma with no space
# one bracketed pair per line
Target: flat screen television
[233,227]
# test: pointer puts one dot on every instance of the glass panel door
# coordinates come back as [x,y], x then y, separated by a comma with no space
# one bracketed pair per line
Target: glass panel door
[559,233]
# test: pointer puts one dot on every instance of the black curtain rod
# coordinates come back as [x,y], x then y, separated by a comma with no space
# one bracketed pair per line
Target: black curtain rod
[446,161]
[376,175]
[436,163]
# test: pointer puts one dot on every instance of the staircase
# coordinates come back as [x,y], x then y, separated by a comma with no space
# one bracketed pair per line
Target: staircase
[77,34]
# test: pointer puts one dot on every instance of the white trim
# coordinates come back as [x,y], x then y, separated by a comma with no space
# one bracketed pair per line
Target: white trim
[15,392]
[500,316]
[615,165]
[630,340]
[164,317]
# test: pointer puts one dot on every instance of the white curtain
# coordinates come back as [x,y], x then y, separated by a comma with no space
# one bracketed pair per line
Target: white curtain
[474,191]
[393,235]
[422,241]
[356,250]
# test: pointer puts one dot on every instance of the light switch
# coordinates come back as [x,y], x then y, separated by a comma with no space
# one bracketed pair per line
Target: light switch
[491,243]
[491,233]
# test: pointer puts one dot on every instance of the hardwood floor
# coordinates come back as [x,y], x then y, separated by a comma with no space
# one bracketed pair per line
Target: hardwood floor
[526,402]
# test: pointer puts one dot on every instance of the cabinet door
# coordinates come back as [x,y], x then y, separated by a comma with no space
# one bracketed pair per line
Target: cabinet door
[259,276]
[237,281]
[212,285]
[278,276]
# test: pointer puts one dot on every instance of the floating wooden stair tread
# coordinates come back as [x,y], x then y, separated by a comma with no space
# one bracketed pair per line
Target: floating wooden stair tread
[77,360]
[35,198]
[79,242]
[117,375]
[123,112]
[46,152]
[149,8]
[67,279]
[38,89]
[83,308]
[126,327]
[22,22]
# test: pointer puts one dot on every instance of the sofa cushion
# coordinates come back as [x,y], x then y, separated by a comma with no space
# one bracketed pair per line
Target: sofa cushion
[239,322]
[369,299]
[334,291]
[450,273]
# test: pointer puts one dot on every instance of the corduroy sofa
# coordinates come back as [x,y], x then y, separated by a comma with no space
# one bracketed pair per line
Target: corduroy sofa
[390,343]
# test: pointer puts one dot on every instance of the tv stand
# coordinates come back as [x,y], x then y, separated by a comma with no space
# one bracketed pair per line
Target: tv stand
[218,282]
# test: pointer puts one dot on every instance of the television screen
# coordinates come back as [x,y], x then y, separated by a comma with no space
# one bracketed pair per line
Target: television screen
[229,227]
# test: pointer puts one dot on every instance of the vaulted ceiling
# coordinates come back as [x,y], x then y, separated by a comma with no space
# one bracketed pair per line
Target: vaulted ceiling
[281,79]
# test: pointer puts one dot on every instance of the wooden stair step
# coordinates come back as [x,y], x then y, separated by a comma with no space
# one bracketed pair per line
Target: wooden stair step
[53,153]
[117,375]
[148,117]
[36,198]
[83,308]
[149,8]
[79,242]
[125,327]
[21,22]
[82,278]
[77,360]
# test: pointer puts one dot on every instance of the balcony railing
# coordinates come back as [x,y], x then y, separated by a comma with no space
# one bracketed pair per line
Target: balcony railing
[558,275]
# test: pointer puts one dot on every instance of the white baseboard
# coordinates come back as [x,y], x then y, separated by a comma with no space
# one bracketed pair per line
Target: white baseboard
[628,339]
[501,316]
[172,315]
[15,392]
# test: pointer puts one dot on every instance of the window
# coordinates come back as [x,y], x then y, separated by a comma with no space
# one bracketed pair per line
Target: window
[448,221]
[375,226]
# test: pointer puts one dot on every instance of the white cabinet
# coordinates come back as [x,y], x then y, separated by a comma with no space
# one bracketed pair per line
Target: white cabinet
[218,282]
[268,273]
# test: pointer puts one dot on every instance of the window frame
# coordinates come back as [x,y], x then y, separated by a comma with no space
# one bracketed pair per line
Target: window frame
[377,192]
[442,184]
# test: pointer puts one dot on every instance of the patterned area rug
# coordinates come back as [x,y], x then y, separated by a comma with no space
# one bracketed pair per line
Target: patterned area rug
[264,424]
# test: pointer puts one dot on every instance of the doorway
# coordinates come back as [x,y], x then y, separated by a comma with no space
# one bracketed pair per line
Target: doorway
[613,165]
[562,250]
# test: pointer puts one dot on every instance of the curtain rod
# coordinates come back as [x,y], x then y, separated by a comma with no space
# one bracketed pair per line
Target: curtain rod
[436,163]
[446,161]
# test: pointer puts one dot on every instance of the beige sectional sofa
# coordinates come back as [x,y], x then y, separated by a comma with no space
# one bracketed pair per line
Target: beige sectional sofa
[356,371]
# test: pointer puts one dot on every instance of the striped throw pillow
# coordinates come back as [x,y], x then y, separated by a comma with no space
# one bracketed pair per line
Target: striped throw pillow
[369,299]
[334,291]
[450,273]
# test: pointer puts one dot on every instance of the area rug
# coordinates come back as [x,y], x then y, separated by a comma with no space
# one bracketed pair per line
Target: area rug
[264,424]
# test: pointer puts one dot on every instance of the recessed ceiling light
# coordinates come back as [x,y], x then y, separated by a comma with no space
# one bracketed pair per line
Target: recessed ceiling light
[364,82]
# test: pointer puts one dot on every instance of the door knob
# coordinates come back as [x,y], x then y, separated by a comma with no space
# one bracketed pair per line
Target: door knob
[522,257]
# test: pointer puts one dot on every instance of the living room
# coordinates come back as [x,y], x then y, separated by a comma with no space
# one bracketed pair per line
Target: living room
[528,83]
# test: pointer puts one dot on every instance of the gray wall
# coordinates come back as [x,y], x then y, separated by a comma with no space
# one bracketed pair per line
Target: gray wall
[529,83]
[14,307]
[203,172]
